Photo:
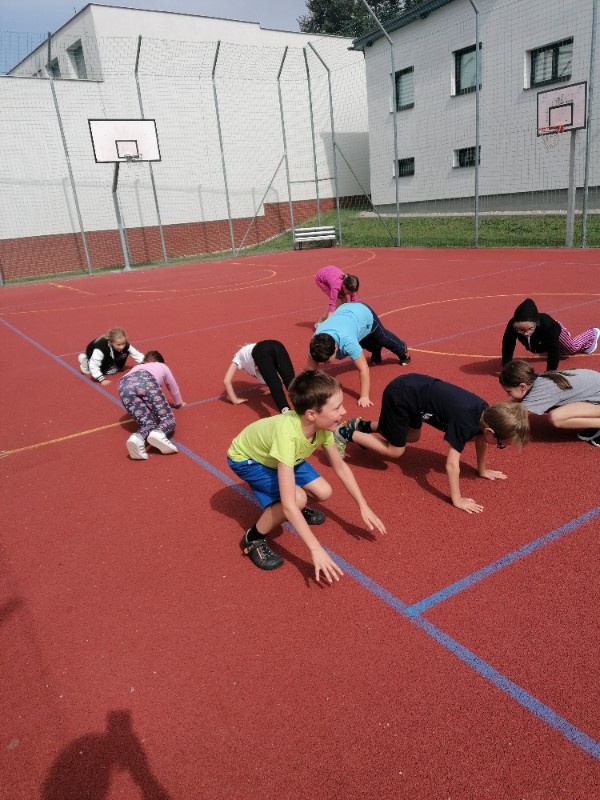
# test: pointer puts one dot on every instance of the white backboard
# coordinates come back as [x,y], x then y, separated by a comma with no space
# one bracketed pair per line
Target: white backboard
[124,140]
[565,106]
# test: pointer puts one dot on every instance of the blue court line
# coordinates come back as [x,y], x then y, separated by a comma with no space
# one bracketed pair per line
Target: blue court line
[505,561]
[482,668]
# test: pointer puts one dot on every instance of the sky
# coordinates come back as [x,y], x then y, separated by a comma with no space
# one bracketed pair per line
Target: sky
[41,16]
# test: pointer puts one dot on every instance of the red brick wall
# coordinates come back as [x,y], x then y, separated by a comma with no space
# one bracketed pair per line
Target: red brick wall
[51,255]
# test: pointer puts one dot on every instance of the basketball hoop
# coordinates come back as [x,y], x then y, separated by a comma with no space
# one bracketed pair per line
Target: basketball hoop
[551,142]
[133,158]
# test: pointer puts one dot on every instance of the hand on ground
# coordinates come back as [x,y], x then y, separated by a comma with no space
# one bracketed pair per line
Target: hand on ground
[469,505]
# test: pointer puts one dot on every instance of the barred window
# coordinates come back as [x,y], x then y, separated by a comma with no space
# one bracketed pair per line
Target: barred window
[406,167]
[465,157]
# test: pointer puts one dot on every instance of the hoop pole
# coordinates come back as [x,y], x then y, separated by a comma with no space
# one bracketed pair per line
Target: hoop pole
[571,193]
[120,218]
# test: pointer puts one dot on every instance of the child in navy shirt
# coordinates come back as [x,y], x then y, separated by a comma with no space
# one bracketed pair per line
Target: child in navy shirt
[410,400]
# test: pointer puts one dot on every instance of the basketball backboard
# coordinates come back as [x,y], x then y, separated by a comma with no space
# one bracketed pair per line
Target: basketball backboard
[116,140]
[564,107]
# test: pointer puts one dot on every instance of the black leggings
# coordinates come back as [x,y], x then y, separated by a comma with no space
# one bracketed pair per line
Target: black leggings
[275,366]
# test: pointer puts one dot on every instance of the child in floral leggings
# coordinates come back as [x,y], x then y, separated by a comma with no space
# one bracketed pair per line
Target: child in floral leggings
[141,394]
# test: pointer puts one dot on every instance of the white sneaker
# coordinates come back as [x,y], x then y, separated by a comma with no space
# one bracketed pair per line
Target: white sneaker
[84,365]
[160,441]
[593,346]
[136,447]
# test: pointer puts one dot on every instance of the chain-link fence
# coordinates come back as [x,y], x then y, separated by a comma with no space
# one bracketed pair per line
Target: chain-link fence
[257,140]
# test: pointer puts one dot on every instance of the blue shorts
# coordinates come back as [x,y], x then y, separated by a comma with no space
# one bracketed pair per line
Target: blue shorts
[264,481]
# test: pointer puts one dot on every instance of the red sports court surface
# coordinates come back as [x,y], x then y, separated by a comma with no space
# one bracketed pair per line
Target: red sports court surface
[144,657]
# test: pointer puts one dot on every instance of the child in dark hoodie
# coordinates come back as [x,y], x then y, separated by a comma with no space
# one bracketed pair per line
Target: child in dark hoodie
[540,333]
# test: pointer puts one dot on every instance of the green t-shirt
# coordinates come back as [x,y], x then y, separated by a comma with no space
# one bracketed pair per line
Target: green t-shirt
[277,438]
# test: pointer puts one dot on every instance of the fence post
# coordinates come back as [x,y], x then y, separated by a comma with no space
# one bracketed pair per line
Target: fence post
[223,164]
[68,159]
[139,94]
[285,152]
[588,130]
[312,133]
[394,118]
[477,126]
[333,143]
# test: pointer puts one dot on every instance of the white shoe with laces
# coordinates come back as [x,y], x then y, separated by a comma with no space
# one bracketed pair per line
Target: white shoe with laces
[84,364]
[593,346]
[159,440]
[136,448]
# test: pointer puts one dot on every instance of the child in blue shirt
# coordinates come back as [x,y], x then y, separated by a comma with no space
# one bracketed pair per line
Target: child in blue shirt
[351,328]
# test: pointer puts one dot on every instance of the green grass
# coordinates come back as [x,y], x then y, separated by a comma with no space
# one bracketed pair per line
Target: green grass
[531,230]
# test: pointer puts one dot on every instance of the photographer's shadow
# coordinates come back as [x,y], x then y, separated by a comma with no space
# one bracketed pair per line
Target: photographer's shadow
[83,770]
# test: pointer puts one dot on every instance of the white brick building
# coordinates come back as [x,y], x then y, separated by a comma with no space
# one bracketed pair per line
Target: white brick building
[434,51]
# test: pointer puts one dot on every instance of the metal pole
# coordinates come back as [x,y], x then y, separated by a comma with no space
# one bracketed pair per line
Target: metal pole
[571,193]
[394,119]
[588,130]
[312,132]
[120,218]
[69,168]
[223,164]
[139,94]
[285,153]
[335,172]
[477,131]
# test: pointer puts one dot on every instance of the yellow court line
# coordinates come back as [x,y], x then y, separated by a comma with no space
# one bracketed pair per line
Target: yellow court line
[72,288]
[205,288]
[489,297]
[5,453]
[477,355]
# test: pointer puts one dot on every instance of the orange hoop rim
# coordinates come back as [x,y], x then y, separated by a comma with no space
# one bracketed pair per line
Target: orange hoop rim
[551,129]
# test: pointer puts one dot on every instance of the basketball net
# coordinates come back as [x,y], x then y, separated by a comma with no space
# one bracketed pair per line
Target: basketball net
[550,138]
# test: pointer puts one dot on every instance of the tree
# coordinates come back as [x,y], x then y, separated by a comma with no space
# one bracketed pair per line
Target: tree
[349,17]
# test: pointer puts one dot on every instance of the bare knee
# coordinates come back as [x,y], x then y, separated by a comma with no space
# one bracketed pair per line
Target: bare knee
[556,419]
[319,489]
[301,498]
[395,452]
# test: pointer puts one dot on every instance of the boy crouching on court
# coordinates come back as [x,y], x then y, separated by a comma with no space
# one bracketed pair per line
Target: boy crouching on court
[270,455]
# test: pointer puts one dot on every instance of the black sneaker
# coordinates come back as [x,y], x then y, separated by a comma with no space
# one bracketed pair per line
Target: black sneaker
[405,360]
[588,434]
[375,359]
[596,440]
[260,553]
[312,516]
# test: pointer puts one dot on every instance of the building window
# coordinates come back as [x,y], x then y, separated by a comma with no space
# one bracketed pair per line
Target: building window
[77,60]
[54,68]
[465,70]
[552,63]
[405,94]
[465,157]
[406,167]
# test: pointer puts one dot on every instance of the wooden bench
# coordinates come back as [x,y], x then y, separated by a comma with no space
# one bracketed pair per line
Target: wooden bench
[322,233]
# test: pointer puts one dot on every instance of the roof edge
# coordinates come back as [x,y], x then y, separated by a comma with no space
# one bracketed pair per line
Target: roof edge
[415,14]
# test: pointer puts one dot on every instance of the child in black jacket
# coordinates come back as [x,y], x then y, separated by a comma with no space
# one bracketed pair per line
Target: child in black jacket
[107,354]
[540,333]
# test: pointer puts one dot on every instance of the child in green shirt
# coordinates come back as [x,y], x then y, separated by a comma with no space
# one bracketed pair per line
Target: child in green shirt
[270,455]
